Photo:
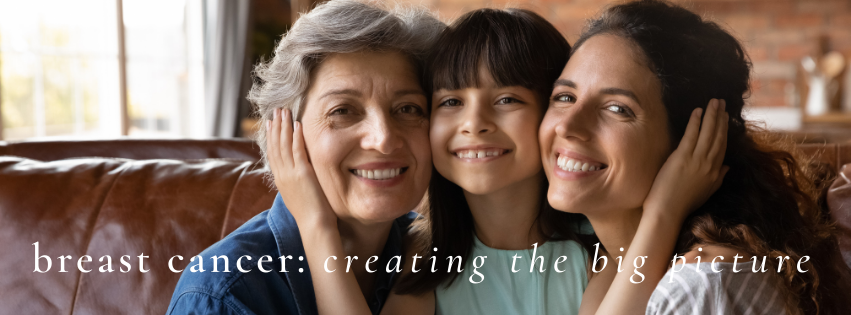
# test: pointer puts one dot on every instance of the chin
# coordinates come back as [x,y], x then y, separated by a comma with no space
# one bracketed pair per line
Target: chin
[380,209]
[477,188]
[563,201]
[476,183]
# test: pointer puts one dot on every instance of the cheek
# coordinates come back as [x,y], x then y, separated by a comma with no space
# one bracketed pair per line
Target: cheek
[420,148]
[439,135]
[327,152]
[639,161]
[526,139]
[645,150]
[547,133]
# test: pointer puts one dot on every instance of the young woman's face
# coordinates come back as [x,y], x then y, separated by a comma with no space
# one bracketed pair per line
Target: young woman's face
[485,138]
[604,136]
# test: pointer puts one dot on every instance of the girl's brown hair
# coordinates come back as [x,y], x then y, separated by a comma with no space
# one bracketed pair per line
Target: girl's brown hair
[767,205]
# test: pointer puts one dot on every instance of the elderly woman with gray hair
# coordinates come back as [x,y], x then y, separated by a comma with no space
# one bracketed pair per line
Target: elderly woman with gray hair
[348,75]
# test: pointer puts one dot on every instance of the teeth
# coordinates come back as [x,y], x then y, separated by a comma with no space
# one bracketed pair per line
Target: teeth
[572,165]
[379,174]
[478,154]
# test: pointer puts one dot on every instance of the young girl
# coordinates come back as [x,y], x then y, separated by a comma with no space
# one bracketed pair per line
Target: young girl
[491,74]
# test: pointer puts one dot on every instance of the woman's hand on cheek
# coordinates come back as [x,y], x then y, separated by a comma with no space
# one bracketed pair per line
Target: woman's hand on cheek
[691,174]
[294,175]
[694,171]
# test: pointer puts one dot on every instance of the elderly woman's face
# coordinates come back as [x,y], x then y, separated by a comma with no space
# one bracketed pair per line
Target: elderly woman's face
[604,136]
[366,131]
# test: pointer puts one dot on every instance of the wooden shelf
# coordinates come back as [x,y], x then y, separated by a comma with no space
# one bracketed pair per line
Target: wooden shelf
[830,118]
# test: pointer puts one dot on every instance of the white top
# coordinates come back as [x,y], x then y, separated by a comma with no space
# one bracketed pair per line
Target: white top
[697,289]
[556,290]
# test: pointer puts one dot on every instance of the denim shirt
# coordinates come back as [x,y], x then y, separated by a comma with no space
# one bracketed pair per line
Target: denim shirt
[274,233]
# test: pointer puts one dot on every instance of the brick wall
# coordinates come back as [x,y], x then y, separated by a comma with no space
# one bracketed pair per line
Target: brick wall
[776,33]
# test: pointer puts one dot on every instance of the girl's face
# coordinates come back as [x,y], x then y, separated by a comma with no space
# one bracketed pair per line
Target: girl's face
[485,138]
[604,136]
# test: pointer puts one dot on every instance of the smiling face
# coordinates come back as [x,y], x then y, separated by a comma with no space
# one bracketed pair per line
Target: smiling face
[366,131]
[485,138]
[604,136]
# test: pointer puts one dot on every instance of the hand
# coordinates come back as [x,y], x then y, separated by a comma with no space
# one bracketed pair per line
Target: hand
[294,175]
[693,172]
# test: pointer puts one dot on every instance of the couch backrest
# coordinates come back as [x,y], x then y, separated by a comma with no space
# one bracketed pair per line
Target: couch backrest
[115,207]
[835,154]
[137,149]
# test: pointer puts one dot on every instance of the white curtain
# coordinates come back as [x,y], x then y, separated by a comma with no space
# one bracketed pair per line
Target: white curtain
[226,31]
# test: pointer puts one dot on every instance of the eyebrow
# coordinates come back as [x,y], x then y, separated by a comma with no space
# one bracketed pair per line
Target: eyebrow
[609,91]
[353,92]
[409,92]
[563,82]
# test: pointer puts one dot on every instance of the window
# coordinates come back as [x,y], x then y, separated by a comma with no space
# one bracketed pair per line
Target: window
[60,68]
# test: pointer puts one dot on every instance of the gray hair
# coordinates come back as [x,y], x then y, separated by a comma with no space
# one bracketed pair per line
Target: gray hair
[336,26]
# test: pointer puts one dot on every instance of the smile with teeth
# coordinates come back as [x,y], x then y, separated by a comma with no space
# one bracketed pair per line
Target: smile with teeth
[382,174]
[479,154]
[572,165]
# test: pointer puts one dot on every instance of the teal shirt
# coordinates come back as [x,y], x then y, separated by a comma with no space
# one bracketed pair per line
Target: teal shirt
[505,292]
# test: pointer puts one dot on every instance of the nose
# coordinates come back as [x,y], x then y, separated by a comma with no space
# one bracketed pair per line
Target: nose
[380,134]
[477,120]
[576,123]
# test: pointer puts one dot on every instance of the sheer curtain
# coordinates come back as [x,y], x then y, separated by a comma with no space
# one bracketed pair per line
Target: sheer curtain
[227,76]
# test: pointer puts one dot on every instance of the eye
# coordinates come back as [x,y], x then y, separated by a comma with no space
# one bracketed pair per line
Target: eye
[507,100]
[411,109]
[620,110]
[567,98]
[450,103]
[339,111]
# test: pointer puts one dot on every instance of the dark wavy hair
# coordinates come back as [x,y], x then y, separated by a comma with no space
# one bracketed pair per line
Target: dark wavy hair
[767,204]
[519,48]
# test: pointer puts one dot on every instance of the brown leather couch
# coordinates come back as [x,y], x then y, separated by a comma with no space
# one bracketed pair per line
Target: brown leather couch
[156,198]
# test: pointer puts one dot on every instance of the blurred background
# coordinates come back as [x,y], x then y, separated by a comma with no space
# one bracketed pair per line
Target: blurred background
[102,69]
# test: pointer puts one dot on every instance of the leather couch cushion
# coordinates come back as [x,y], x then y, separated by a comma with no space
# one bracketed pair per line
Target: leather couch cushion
[115,207]
[138,149]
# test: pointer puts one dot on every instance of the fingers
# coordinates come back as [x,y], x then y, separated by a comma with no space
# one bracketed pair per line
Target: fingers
[286,136]
[692,130]
[299,150]
[707,129]
[719,145]
[273,133]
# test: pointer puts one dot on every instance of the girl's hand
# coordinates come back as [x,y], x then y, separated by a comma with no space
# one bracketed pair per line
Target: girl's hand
[294,175]
[693,172]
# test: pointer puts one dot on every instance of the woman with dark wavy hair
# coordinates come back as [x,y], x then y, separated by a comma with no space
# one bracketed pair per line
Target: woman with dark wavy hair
[635,77]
